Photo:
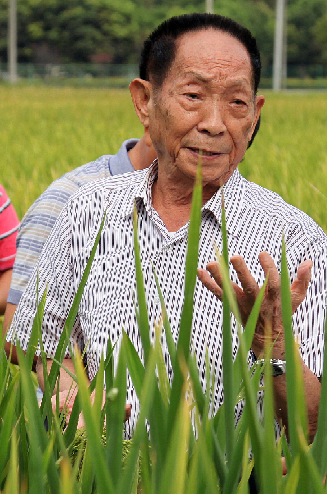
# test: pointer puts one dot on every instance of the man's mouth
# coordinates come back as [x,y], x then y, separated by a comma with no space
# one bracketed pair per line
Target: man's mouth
[204,152]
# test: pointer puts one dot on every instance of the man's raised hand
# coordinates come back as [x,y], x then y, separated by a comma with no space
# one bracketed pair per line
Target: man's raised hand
[270,312]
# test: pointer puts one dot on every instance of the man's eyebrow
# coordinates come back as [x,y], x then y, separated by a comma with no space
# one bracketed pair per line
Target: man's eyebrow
[198,76]
[238,82]
[241,81]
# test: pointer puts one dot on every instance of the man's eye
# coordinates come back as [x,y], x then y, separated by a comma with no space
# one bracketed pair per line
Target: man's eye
[239,102]
[192,95]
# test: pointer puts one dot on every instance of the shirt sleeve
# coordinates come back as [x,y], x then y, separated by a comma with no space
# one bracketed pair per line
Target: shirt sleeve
[309,318]
[9,224]
[34,231]
[54,270]
[41,217]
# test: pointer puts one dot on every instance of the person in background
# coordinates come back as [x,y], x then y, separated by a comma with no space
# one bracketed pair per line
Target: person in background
[134,154]
[9,224]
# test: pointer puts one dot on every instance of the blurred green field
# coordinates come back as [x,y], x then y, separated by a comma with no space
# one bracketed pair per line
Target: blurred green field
[46,131]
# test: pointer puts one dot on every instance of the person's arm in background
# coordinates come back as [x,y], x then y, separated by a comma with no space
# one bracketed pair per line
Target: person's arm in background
[5,279]
[9,224]
[67,389]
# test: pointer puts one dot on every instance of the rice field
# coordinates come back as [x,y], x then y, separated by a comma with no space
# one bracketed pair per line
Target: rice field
[46,131]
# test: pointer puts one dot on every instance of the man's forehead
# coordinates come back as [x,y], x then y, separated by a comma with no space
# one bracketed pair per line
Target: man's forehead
[210,54]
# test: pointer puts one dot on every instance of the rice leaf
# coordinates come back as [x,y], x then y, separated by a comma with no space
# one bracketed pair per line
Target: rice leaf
[271,462]
[250,408]
[228,370]
[116,413]
[143,321]
[146,470]
[164,385]
[7,421]
[87,473]
[309,476]
[175,468]
[36,431]
[292,478]
[246,467]
[102,474]
[36,328]
[12,486]
[295,391]
[240,458]
[146,400]
[165,321]
[319,445]
[196,385]
[183,344]
[134,364]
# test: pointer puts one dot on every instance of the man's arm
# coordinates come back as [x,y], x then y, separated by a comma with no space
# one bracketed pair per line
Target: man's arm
[65,380]
[9,348]
[5,279]
[270,313]
[67,387]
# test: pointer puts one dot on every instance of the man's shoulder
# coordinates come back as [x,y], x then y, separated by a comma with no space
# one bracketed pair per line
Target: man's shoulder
[114,197]
[270,202]
[94,170]
[108,187]
[273,207]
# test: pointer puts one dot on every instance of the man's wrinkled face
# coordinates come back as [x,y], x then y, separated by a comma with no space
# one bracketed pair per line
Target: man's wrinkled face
[205,107]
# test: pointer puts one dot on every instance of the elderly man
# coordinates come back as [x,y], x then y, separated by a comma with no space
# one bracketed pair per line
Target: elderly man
[197,94]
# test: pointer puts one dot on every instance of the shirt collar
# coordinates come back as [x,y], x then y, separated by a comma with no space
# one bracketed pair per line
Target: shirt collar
[120,162]
[233,191]
[142,189]
[235,208]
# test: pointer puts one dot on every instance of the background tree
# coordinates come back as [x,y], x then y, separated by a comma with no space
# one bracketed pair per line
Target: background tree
[113,31]
[305,43]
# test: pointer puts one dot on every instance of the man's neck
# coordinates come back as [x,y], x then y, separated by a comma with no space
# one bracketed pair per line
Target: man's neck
[141,155]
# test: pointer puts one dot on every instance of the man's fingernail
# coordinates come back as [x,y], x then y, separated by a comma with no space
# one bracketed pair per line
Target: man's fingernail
[236,263]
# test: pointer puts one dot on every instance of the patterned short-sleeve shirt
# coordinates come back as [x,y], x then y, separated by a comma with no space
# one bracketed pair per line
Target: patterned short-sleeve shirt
[256,220]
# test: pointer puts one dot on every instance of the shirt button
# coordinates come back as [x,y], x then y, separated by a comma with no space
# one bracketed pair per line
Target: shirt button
[157,300]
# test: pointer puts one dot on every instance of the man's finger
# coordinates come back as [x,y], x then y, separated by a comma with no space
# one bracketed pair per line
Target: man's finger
[270,270]
[215,285]
[128,410]
[300,285]
[214,269]
[249,285]
[210,283]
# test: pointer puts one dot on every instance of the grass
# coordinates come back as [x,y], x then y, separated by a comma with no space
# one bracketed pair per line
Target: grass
[46,131]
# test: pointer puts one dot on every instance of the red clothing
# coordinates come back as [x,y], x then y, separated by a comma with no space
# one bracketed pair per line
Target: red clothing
[9,224]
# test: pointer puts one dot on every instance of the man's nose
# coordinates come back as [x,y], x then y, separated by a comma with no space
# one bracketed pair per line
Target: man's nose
[212,121]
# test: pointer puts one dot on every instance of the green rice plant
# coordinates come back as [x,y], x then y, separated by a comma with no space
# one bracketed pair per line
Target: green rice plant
[178,445]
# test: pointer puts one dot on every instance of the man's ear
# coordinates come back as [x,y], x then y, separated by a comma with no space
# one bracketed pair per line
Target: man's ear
[141,93]
[147,137]
[258,104]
